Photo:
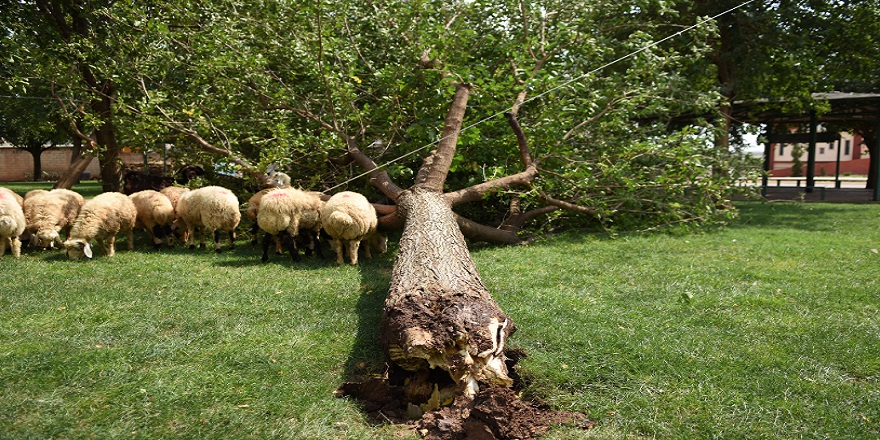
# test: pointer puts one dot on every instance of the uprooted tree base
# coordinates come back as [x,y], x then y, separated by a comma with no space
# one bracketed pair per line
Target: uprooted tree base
[493,414]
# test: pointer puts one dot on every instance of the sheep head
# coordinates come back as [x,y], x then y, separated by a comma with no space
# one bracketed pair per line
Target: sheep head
[77,248]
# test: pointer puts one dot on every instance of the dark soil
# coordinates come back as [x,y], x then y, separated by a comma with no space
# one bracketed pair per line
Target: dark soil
[494,414]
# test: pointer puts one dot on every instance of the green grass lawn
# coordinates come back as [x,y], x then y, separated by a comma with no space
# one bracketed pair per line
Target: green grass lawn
[768,328]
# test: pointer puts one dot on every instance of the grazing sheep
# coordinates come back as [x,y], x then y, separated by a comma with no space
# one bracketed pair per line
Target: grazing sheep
[14,195]
[349,219]
[286,212]
[174,193]
[274,179]
[12,222]
[212,209]
[49,213]
[101,219]
[155,214]
[34,192]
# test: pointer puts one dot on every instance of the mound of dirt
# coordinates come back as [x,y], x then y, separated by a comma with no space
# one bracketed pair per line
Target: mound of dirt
[494,414]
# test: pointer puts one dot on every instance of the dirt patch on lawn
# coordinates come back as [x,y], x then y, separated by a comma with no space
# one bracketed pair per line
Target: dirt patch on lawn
[493,414]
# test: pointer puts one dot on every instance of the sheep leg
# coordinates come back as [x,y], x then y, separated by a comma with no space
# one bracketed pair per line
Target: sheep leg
[191,236]
[266,240]
[316,239]
[169,235]
[3,245]
[129,234]
[337,247]
[291,245]
[279,247]
[254,230]
[202,237]
[367,254]
[215,234]
[16,246]
[109,246]
[157,234]
[353,250]
[231,239]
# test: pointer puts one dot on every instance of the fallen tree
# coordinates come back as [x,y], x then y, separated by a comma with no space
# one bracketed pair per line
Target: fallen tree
[441,330]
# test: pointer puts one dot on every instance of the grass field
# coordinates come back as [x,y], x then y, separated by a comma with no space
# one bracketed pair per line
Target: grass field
[765,329]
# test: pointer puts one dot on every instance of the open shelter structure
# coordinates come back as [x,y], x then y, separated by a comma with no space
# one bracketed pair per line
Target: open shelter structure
[858,112]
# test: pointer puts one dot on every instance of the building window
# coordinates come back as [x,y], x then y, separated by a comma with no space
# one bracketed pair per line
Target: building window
[846,147]
[831,146]
[822,150]
[781,150]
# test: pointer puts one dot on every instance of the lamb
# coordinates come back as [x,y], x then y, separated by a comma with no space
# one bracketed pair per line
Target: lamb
[155,214]
[349,219]
[49,213]
[12,222]
[101,219]
[212,209]
[286,212]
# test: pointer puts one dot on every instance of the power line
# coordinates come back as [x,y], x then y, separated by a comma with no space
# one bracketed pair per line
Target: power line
[565,84]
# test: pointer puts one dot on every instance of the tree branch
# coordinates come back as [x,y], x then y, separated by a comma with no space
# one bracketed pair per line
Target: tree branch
[480,232]
[378,177]
[433,173]
[522,179]
[475,193]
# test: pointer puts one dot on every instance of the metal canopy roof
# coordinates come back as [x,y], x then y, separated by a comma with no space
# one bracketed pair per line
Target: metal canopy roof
[845,107]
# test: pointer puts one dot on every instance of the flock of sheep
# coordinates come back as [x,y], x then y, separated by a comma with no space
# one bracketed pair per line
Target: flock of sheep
[285,214]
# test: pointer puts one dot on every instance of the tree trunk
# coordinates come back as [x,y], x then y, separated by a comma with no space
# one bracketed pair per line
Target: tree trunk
[36,151]
[438,313]
[73,173]
[105,137]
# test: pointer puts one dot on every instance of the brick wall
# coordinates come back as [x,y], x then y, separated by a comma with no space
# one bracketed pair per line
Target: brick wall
[18,165]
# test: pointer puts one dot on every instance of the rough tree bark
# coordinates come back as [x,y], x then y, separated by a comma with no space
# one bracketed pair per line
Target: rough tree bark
[438,313]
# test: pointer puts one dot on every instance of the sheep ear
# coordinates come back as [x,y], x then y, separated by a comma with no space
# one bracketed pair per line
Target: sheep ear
[271,168]
[87,250]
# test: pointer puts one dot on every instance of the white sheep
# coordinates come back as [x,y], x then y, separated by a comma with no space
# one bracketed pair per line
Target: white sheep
[49,213]
[274,179]
[349,219]
[12,222]
[286,212]
[174,193]
[101,219]
[155,214]
[13,194]
[212,209]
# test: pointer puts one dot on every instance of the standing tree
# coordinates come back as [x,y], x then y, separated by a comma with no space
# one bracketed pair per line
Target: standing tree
[31,124]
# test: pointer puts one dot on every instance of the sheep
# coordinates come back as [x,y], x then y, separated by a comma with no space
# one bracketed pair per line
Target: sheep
[274,179]
[155,214]
[50,213]
[13,194]
[286,212]
[12,222]
[212,209]
[101,219]
[349,219]
[174,193]
[34,192]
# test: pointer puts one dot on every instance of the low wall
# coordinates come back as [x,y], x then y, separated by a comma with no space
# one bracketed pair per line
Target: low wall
[858,167]
[18,165]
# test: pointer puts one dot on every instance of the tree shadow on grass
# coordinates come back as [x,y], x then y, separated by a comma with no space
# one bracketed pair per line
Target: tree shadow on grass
[816,217]
[366,358]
